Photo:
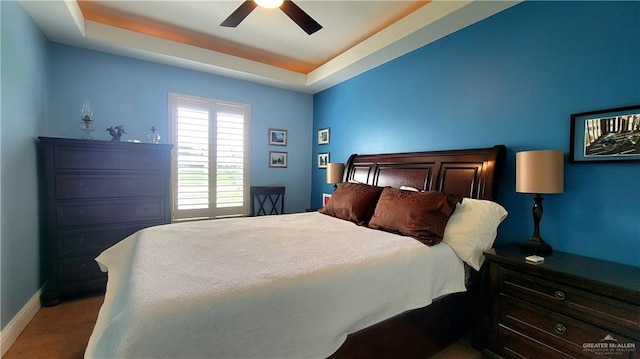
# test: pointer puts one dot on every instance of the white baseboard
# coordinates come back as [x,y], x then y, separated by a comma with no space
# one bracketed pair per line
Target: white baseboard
[11,332]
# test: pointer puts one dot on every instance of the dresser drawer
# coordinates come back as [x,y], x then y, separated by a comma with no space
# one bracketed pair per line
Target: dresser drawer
[93,240]
[71,158]
[109,212]
[561,332]
[73,186]
[597,309]
[79,268]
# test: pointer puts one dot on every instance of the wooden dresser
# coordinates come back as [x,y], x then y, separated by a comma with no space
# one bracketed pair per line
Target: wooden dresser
[94,194]
[569,306]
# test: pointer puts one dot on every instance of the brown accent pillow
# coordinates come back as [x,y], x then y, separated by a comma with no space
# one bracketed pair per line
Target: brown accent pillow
[421,215]
[353,202]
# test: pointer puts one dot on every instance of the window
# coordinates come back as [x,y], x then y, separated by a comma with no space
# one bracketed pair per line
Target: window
[211,157]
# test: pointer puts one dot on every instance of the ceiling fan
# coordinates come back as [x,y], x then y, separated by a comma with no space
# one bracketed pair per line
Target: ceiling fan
[292,10]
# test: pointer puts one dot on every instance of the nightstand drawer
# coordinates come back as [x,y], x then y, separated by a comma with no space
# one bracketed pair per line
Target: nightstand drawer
[108,186]
[517,345]
[559,331]
[594,308]
[105,212]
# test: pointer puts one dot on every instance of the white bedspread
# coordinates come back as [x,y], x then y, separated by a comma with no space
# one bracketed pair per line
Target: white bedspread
[288,286]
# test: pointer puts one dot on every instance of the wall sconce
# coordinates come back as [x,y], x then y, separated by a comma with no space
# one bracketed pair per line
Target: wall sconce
[335,172]
[539,172]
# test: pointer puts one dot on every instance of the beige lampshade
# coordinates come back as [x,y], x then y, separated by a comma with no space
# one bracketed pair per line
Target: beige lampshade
[540,172]
[335,172]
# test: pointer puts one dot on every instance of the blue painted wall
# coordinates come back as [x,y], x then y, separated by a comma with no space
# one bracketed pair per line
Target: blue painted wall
[132,92]
[24,90]
[511,79]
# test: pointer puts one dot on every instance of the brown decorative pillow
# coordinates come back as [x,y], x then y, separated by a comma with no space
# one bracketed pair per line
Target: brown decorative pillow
[421,215]
[354,202]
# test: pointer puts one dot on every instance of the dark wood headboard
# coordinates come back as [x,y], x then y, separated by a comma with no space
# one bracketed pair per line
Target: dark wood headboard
[469,173]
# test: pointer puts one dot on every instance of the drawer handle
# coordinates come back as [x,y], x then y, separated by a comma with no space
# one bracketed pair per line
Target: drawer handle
[559,329]
[560,295]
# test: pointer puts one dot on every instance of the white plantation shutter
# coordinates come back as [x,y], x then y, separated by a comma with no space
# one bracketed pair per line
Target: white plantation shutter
[230,156]
[192,157]
[210,169]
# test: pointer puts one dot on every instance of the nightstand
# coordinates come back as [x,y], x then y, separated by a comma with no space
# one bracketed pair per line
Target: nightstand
[565,307]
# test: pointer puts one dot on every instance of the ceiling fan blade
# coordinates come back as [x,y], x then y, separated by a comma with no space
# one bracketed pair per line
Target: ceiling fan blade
[239,14]
[300,17]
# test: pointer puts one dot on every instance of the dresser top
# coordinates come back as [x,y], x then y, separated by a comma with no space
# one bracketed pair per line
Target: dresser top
[73,142]
[575,269]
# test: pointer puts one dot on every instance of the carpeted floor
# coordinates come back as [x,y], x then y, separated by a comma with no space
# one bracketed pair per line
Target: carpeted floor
[62,332]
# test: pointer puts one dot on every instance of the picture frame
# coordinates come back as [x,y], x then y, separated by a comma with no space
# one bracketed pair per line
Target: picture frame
[278,159]
[605,136]
[325,198]
[323,160]
[277,137]
[323,136]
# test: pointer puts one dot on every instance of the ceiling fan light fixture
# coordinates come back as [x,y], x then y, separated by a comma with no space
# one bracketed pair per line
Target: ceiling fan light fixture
[269,4]
[293,11]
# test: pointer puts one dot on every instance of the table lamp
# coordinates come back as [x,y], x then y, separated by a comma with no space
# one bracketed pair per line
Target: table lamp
[335,172]
[539,172]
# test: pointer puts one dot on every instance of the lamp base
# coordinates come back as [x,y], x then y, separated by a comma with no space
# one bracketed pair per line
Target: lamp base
[536,246]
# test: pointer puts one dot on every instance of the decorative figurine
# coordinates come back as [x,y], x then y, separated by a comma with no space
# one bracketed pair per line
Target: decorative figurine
[154,136]
[116,132]
[87,123]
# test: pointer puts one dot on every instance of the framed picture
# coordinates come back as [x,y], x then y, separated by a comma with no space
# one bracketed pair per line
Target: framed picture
[323,159]
[604,136]
[277,137]
[278,159]
[323,136]
[325,198]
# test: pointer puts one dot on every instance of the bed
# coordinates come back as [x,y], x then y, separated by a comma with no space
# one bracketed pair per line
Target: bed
[305,285]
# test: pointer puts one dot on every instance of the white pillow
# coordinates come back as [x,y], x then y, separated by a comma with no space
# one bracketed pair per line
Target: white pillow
[472,229]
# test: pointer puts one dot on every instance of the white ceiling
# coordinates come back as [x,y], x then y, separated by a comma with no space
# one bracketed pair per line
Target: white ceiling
[267,47]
